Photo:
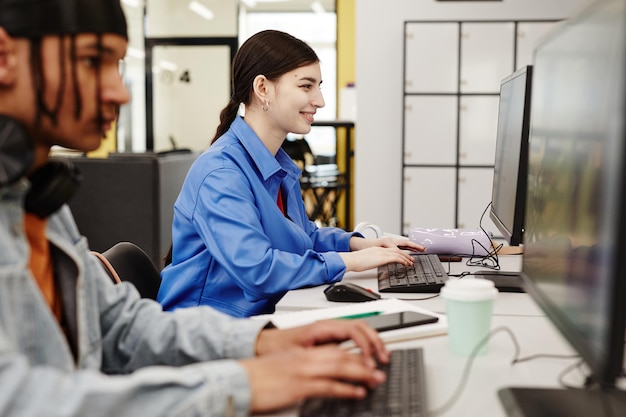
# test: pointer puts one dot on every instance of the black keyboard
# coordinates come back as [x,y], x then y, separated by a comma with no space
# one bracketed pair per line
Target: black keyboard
[427,274]
[403,394]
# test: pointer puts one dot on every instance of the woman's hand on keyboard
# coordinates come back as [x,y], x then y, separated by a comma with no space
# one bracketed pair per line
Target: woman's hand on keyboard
[359,243]
[373,257]
[284,379]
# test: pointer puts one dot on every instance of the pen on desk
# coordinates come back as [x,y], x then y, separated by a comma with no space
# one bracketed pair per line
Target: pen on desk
[361,315]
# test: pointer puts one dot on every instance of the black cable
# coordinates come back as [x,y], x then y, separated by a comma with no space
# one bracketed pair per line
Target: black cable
[490,260]
[569,369]
[459,389]
[461,275]
[516,359]
[420,299]
[544,355]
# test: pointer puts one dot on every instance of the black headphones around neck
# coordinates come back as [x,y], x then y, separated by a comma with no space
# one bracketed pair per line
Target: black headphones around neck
[17,152]
[52,185]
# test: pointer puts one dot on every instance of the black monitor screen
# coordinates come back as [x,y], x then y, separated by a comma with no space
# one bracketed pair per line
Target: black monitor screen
[508,198]
[574,260]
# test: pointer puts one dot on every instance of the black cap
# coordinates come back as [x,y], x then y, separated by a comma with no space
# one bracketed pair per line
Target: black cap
[36,18]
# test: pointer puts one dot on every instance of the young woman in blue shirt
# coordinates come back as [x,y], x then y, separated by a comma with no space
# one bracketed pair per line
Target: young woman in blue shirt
[241,236]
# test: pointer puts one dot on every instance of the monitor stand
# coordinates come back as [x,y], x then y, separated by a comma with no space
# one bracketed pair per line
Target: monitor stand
[545,402]
[510,250]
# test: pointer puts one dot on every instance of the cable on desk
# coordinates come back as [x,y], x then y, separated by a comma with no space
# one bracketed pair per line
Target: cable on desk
[461,386]
[544,355]
[589,385]
[516,359]
[420,299]
[569,369]
[461,275]
[490,260]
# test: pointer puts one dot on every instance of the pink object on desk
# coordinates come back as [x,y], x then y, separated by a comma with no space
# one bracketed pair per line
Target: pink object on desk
[452,241]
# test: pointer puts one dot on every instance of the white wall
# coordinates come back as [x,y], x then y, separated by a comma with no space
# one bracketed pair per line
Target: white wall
[379,62]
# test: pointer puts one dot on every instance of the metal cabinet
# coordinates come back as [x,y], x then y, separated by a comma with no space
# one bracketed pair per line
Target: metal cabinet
[452,74]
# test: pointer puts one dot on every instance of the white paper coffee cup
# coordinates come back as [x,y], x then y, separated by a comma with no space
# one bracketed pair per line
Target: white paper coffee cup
[469,307]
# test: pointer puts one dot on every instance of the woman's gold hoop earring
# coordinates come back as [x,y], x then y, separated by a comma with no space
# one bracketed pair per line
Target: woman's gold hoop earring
[266,106]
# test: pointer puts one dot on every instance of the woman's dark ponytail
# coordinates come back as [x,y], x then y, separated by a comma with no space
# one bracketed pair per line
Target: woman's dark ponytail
[227,117]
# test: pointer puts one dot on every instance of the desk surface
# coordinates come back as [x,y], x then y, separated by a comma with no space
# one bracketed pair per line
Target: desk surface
[534,333]
[492,371]
[507,304]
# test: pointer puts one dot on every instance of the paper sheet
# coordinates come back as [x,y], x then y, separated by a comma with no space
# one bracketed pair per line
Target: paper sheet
[286,320]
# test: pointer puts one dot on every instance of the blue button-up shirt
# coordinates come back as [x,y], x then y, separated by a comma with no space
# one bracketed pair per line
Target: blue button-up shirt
[233,247]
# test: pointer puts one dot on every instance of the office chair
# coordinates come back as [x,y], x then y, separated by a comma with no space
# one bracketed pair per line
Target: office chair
[126,261]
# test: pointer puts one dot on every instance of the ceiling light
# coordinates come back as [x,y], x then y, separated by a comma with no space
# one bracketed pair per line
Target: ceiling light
[201,9]
[135,53]
[168,65]
[317,7]
[132,3]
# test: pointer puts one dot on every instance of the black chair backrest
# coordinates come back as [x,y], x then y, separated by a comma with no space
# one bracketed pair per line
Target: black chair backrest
[133,265]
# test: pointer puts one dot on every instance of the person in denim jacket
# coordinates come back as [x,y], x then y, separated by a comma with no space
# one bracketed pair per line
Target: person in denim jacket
[71,342]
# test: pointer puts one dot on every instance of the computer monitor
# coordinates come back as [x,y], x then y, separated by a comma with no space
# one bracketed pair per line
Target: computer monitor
[574,265]
[508,197]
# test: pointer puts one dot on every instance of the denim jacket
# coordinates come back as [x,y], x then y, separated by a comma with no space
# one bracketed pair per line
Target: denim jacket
[131,358]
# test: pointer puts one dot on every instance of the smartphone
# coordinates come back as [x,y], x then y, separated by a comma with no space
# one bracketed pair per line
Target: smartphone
[392,321]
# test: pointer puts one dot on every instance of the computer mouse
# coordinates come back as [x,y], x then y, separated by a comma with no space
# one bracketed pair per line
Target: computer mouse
[347,292]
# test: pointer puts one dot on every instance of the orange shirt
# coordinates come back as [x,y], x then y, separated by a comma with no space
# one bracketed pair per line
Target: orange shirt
[41,262]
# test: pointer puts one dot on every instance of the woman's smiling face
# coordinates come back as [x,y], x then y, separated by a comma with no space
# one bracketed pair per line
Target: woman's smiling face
[295,98]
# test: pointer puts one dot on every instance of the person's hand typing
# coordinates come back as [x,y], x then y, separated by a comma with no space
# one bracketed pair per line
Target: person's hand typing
[359,243]
[325,332]
[282,379]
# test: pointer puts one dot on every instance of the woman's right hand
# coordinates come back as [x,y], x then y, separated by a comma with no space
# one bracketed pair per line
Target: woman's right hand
[284,379]
[373,257]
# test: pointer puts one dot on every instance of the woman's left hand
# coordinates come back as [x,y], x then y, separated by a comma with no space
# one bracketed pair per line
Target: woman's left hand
[358,243]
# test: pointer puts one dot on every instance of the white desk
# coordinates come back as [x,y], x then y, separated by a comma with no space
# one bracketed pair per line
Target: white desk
[507,304]
[493,371]
[517,311]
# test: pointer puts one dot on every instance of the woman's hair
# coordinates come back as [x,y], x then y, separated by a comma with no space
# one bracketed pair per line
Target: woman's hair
[270,53]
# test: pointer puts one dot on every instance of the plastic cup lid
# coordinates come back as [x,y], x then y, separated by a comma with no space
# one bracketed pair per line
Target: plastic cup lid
[469,289]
